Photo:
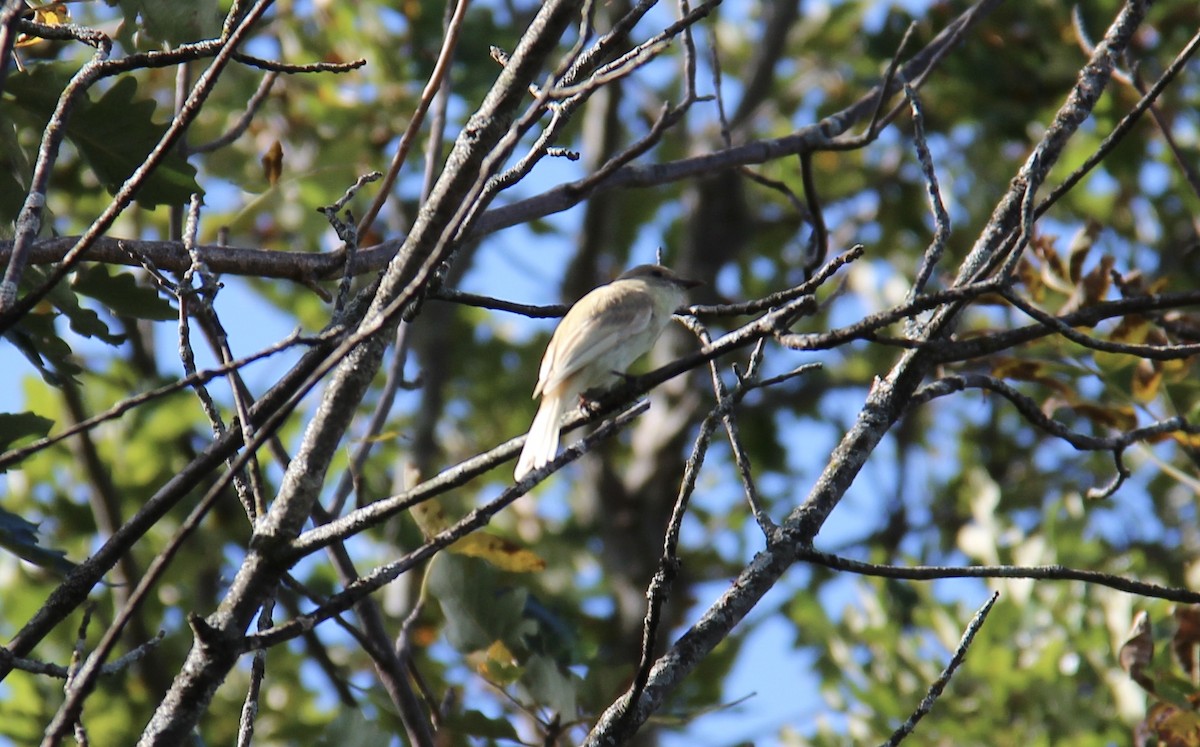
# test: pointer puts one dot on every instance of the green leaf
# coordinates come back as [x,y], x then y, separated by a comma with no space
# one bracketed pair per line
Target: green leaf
[21,538]
[121,292]
[477,610]
[16,426]
[477,724]
[352,728]
[14,170]
[36,339]
[551,686]
[82,320]
[113,134]
[176,21]
[116,134]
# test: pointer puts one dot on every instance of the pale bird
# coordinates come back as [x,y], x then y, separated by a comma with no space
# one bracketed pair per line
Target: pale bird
[594,344]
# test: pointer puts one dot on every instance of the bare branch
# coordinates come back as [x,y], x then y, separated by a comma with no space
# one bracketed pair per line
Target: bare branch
[11,310]
[1040,572]
[885,403]
[15,456]
[941,219]
[473,521]
[243,121]
[935,689]
[440,68]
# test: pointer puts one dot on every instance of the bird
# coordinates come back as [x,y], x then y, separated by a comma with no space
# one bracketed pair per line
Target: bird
[598,339]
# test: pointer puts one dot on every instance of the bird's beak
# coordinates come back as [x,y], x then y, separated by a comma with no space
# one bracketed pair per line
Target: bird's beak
[689,283]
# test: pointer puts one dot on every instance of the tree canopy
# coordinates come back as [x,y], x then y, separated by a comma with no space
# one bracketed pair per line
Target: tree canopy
[922,457]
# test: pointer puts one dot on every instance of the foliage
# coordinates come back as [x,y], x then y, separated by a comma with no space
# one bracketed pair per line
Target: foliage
[1051,423]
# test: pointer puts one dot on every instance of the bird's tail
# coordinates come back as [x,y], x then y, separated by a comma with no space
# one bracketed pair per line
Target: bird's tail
[542,443]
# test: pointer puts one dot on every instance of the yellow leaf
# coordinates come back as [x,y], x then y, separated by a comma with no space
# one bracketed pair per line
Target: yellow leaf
[1018,368]
[1146,379]
[502,553]
[430,517]
[1176,370]
[54,14]
[499,552]
[1132,330]
[497,663]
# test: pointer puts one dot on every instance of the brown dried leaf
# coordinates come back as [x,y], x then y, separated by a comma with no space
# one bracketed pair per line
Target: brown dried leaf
[1022,369]
[1133,329]
[1094,286]
[1168,725]
[1055,273]
[1028,276]
[272,163]
[1133,283]
[1158,286]
[1138,650]
[1039,372]
[1121,418]
[1186,641]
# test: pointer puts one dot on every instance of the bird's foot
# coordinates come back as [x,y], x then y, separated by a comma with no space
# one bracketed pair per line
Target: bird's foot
[589,400]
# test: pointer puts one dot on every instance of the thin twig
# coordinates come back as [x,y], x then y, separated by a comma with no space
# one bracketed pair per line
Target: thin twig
[11,311]
[941,219]
[819,243]
[1116,444]
[1150,352]
[659,590]
[198,302]
[877,120]
[440,69]
[729,420]
[1036,572]
[139,652]
[244,120]
[287,68]
[258,670]
[935,689]
[473,521]
[68,711]
[779,298]
[15,456]
[347,231]
[1133,79]
[551,311]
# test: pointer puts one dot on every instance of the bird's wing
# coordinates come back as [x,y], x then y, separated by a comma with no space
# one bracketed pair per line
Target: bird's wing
[577,342]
